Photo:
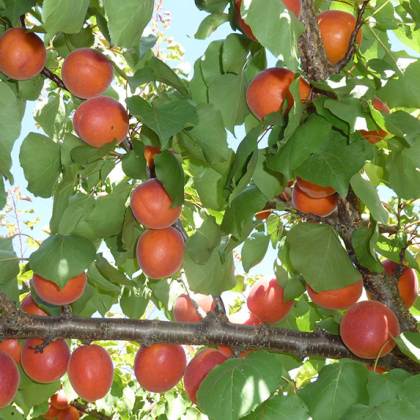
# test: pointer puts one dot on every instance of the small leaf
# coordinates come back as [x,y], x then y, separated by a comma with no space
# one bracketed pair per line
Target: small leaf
[254,250]
[134,301]
[209,24]
[364,241]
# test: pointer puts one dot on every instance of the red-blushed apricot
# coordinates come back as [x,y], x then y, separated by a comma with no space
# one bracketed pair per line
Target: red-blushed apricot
[48,366]
[87,73]
[100,120]
[367,329]
[70,413]
[314,190]
[12,347]
[91,372]
[318,206]
[198,368]
[59,400]
[336,28]
[373,136]
[159,367]
[338,298]
[149,154]
[266,301]
[151,205]
[160,252]
[184,310]
[22,54]
[377,369]
[50,292]
[52,413]
[29,306]
[408,284]
[263,214]
[9,379]
[270,88]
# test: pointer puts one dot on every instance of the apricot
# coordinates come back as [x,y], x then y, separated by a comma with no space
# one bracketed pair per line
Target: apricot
[160,252]
[22,54]
[336,28]
[314,190]
[286,195]
[91,372]
[12,347]
[70,413]
[52,412]
[377,369]
[100,120]
[270,88]
[29,306]
[149,154]
[367,329]
[59,400]
[338,298]
[318,206]
[50,292]
[198,368]
[87,73]
[9,379]
[159,367]
[152,205]
[48,366]
[408,284]
[266,301]
[373,136]
[184,310]
[263,214]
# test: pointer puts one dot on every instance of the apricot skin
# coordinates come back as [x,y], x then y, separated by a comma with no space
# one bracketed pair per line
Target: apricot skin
[100,120]
[184,310]
[266,301]
[22,55]
[151,205]
[160,252]
[149,154]
[9,379]
[338,298]
[59,400]
[159,367]
[70,413]
[87,73]
[48,366]
[52,413]
[198,369]
[314,190]
[367,326]
[31,308]
[51,293]
[318,206]
[12,347]
[373,136]
[91,372]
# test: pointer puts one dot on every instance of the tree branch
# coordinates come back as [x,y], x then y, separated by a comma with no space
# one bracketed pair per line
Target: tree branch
[92,413]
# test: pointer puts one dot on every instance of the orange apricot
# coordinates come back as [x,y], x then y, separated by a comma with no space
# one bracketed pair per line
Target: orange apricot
[184,310]
[50,292]
[22,54]
[374,136]
[12,347]
[52,412]
[9,379]
[91,372]
[318,206]
[100,120]
[263,214]
[87,73]
[314,190]
[29,306]
[149,154]
[160,252]
[70,413]
[59,400]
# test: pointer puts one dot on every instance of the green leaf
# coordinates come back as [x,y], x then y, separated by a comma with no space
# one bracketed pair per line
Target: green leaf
[404,125]
[317,253]
[110,272]
[235,52]
[134,301]
[209,24]
[254,250]
[409,390]
[9,266]
[409,344]
[10,412]
[40,159]
[9,128]
[31,89]
[134,165]
[240,385]
[339,386]
[99,281]
[176,404]
[59,258]
[126,24]
[209,184]
[16,8]
[364,243]
[64,16]
[3,194]
[390,410]
[349,110]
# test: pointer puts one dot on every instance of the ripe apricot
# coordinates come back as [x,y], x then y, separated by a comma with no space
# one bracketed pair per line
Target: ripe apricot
[70,413]
[50,292]
[266,301]
[408,284]
[52,413]
[367,329]
[377,369]
[87,73]
[22,54]
[48,366]
[59,400]
[184,310]
[91,372]
[9,379]
[318,206]
[152,205]
[159,367]
[29,306]
[314,190]
[336,28]
[270,88]
[338,298]
[12,347]
[373,136]
[198,368]
[160,252]
[149,154]
[263,214]
[100,120]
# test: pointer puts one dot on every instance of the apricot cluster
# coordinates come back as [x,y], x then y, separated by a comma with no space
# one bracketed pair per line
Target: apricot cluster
[59,408]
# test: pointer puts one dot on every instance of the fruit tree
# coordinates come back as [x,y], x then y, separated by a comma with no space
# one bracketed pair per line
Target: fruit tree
[270,195]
